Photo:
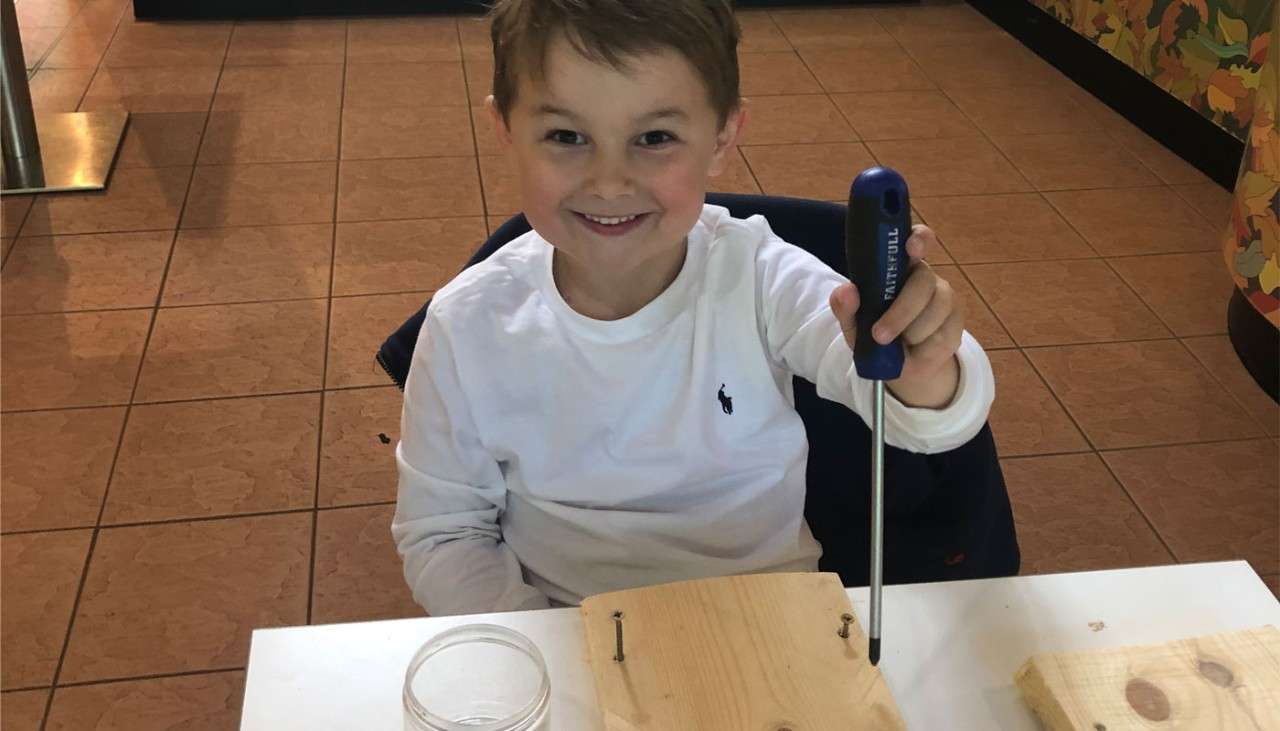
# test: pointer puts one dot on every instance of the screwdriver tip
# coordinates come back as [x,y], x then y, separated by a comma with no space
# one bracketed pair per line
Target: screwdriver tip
[873,651]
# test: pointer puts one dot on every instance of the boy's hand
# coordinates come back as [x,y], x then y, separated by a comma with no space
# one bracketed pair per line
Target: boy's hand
[930,319]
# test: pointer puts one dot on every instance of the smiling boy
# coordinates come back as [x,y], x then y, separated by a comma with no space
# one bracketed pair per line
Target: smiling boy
[606,401]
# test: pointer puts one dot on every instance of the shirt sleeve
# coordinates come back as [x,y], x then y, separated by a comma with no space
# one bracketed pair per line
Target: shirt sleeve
[451,495]
[793,289]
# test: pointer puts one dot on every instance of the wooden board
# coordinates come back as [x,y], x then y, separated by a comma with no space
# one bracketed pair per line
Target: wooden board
[1227,681]
[740,653]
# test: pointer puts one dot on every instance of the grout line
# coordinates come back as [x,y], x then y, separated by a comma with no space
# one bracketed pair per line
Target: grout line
[153,676]
[115,31]
[200,399]
[475,142]
[231,303]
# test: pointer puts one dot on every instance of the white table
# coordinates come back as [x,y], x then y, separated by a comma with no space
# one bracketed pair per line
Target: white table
[950,649]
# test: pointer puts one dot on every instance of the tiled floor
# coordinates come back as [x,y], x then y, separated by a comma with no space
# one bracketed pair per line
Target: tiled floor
[175,476]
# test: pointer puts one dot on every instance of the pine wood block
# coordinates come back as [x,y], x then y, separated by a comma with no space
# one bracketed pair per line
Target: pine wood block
[760,652]
[1226,681]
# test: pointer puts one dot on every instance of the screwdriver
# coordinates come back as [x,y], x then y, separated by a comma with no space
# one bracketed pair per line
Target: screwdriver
[876,231]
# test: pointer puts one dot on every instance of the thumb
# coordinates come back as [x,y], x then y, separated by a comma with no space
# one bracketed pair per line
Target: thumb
[844,303]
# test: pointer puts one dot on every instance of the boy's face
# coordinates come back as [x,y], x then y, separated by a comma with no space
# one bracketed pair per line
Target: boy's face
[593,142]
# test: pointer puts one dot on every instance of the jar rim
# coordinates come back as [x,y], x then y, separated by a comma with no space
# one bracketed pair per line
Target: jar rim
[488,633]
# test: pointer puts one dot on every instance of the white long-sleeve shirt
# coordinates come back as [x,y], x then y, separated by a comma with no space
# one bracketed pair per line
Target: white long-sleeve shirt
[544,454]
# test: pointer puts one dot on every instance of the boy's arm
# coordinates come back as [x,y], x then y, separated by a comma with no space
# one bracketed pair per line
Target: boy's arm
[793,306]
[450,496]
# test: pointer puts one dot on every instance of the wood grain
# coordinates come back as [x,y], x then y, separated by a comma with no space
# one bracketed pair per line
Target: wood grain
[740,653]
[1228,681]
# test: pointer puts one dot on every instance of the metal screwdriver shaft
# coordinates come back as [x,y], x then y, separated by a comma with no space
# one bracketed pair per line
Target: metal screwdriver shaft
[876,232]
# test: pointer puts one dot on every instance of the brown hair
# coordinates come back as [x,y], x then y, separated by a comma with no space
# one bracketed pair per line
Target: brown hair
[705,32]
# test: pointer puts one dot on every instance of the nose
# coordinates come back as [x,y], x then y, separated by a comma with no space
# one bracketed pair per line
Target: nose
[610,176]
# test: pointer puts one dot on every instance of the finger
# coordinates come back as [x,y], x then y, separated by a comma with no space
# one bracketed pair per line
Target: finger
[922,241]
[844,304]
[911,301]
[933,315]
[939,346]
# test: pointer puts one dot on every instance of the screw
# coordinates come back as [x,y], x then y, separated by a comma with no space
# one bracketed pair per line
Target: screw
[846,618]
[617,626]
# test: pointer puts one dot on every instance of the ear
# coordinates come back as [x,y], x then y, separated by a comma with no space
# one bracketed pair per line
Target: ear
[727,139]
[497,123]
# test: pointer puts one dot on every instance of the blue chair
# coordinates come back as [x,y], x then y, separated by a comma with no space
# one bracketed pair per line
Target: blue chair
[947,516]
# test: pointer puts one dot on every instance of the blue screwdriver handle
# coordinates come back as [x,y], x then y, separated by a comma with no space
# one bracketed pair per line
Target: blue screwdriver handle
[875,244]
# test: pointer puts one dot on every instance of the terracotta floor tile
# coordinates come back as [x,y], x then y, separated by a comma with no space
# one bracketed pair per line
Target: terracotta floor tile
[210,701]
[772,73]
[357,327]
[424,187]
[279,87]
[385,132]
[177,597]
[147,45]
[358,572]
[1210,502]
[478,72]
[985,63]
[487,142]
[6,244]
[86,272]
[474,34]
[1188,291]
[938,25]
[1219,356]
[399,256]
[832,28]
[402,40]
[1273,583]
[207,458]
[152,89]
[979,320]
[1072,515]
[35,42]
[46,15]
[288,43]
[102,17]
[253,195]
[736,178]
[1162,161]
[865,69]
[13,213]
[356,465]
[249,264]
[56,465]
[1026,110]
[500,186]
[431,84]
[41,574]
[963,165]
[58,90]
[271,135]
[77,359]
[81,49]
[902,115]
[820,171]
[760,33]
[777,120]
[1140,394]
[234,350]
[1064,302]
[1135,221]
[1074,161]
[161,139]
[138,199]
[1025,418]
[991,228]
[1210,199]
[23,710]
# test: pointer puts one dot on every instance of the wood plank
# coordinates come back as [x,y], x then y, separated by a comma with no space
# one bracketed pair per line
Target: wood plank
[759,652]
[1226,681]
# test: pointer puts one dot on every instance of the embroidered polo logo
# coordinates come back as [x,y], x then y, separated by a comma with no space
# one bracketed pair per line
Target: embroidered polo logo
[726,402]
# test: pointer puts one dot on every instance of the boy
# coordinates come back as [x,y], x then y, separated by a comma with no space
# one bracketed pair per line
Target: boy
[606,401]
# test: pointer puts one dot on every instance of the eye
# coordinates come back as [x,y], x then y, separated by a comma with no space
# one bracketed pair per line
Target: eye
[565,137]
[656,138]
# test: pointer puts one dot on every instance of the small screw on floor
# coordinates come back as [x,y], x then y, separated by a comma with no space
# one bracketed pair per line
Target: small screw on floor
[846,618]
[617,627]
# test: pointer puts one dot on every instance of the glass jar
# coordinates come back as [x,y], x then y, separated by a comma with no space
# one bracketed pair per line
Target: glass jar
[477,677]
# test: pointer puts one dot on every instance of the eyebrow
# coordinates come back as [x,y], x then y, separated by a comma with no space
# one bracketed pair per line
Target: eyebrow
[664,113]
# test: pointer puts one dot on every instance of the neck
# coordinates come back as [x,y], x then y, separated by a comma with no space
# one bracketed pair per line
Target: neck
[614,295]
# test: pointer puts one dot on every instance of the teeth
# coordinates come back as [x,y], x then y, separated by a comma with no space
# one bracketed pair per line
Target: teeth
[609,221]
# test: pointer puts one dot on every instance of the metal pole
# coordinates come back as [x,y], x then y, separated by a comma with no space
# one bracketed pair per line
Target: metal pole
[20,142]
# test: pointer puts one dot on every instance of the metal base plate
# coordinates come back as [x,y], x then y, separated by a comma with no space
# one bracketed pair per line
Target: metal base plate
[77,150]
